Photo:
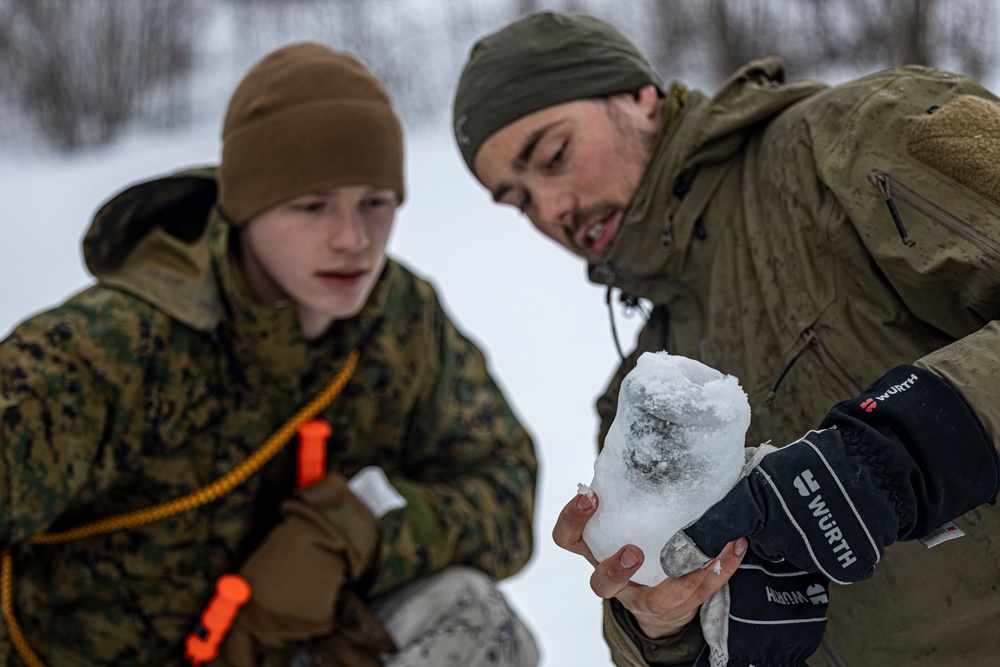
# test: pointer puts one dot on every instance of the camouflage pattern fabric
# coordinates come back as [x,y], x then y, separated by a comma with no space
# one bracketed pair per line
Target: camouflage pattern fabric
[455,618]
[130,394]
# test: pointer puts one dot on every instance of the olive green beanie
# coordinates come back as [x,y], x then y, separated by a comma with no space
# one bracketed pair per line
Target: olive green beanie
[538,61]
[305,119]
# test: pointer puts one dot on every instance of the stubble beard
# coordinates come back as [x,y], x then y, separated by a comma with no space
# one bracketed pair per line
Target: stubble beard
[638,147]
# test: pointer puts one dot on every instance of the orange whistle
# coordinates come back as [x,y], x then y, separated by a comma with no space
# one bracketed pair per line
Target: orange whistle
[231,592]
[312,452]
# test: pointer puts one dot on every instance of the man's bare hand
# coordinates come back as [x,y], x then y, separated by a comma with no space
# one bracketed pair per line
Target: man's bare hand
[660,610]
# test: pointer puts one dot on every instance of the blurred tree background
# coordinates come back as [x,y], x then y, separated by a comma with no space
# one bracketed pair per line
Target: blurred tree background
[77,74]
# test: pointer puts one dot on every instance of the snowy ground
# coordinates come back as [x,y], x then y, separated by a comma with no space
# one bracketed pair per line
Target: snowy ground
[527,302]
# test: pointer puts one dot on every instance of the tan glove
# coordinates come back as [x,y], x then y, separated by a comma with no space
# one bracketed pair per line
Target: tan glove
[325,540]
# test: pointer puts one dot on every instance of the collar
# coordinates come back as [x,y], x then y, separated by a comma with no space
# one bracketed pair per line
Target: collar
[660,211]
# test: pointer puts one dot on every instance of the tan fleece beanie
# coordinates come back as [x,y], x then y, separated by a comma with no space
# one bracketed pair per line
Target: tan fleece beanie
[306,119]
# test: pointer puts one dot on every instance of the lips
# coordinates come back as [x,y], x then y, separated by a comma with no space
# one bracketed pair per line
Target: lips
[342,278]
[595,237]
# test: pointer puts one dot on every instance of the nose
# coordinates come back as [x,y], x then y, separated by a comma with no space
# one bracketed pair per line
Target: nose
[348,231]
[555,208]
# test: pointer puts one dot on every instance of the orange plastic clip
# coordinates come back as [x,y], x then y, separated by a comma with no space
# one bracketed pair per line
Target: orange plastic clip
[231,593]
[312,452]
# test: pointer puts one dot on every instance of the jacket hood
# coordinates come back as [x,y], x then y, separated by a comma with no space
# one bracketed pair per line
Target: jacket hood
[151,240]
[689,164]
[755,93]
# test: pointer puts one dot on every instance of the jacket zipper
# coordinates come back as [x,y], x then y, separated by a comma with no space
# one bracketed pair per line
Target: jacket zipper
[892,189]
[811,339]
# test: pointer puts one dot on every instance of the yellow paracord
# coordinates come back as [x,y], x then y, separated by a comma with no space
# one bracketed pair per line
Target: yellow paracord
[193,500]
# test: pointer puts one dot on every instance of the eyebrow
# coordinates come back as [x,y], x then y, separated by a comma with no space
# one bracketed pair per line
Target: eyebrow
[520,163]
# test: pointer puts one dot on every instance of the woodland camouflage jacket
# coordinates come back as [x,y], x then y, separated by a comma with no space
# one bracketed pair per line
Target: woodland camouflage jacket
[165,375]
[762,235]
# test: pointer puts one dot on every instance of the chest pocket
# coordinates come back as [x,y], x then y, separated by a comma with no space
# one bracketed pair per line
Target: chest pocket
[950,254]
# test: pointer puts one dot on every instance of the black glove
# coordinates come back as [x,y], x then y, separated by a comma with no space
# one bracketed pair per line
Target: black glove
[893,464]
[767,615]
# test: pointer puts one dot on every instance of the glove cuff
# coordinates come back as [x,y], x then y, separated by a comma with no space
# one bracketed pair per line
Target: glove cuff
[920,437]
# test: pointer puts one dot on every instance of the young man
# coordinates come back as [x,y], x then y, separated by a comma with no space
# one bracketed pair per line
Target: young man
[829,246]
[231,308]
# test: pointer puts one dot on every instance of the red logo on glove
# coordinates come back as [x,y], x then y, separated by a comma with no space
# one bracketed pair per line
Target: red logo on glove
[868,405]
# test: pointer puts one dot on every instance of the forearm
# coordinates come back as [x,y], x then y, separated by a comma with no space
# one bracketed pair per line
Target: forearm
[972,365]
[479,520]
[630,647]
[469,478]
[468,473]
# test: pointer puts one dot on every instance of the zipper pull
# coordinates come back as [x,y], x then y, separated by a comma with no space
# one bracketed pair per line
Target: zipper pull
[886,189]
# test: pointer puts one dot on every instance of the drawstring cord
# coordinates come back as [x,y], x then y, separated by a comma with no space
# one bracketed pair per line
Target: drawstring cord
[607,274]
[632,304]
[274,444]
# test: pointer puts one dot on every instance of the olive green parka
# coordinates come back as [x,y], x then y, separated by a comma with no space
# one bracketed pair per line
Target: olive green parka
[166,374]
[763,236]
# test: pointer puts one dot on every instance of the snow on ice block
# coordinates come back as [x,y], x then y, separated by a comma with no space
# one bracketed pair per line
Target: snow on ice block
[674,449]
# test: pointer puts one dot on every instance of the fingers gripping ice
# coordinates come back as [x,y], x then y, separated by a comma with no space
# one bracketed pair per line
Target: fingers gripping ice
[674,449]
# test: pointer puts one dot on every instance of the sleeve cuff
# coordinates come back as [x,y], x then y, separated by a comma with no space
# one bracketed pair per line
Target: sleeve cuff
[678,649]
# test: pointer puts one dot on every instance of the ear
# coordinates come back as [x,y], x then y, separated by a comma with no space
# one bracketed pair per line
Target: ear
[648,98]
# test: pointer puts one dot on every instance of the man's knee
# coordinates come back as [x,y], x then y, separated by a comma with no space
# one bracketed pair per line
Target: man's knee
[463,578]
[458,611]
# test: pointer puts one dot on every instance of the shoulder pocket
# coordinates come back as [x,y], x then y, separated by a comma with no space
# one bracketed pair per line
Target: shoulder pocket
[962,141]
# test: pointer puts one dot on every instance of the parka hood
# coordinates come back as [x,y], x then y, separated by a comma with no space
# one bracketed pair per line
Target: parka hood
[151,240]
[755,93]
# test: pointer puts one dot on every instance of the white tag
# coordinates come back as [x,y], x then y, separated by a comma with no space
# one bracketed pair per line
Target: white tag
[943,533]
[372,487]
